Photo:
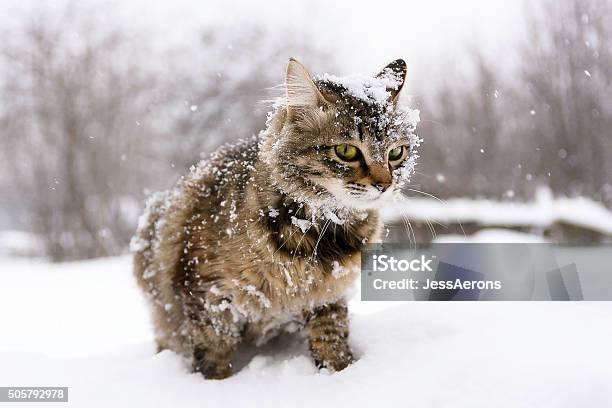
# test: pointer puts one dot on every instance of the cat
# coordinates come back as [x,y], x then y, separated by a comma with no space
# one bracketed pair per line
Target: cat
[265,235]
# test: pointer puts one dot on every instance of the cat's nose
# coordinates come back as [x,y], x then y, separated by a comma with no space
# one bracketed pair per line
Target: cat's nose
[382,186]
[380,177]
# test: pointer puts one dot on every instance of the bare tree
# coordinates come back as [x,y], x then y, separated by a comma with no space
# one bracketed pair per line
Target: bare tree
[567,68]
[74,102]
[548,123]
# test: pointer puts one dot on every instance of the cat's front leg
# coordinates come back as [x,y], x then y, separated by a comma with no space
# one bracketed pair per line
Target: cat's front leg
[213,333]
[328,336]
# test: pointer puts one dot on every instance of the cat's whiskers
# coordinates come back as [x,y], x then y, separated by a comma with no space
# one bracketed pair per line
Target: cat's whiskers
[439,223]
[283,244]
[438,199]
[409,229]
[295,251]
[434,236]
[405,220]
[323,230]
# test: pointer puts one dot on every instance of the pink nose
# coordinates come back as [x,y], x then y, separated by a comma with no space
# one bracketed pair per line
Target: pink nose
[382,186]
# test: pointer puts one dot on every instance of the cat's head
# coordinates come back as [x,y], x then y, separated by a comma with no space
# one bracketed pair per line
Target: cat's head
[342,141]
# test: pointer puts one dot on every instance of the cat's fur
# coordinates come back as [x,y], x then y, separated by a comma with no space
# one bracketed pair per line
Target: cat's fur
[266,234]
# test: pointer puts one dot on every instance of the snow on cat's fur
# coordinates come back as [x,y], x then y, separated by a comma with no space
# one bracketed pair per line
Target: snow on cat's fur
[266,234]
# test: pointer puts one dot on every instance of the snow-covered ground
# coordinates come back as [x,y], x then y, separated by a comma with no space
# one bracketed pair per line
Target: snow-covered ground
[84,325]
[20,243]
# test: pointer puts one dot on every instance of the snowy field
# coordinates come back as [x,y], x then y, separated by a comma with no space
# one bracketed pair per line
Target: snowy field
[84,325]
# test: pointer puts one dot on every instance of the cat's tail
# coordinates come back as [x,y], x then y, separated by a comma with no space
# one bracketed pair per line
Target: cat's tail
[147,234]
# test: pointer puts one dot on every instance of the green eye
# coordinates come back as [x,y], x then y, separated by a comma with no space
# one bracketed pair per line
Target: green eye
[396,153]
[347,152]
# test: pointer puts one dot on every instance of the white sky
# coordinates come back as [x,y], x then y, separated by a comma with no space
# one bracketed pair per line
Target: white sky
[365,34]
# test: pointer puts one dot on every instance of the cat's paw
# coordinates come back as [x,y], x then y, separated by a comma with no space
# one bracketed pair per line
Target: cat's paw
[209,368]
[337,362]
[213,373]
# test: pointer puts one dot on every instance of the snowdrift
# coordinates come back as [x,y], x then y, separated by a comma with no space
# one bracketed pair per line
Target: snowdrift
[84,325]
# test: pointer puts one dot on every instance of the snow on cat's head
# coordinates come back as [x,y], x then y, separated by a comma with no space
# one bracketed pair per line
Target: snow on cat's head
[342,141]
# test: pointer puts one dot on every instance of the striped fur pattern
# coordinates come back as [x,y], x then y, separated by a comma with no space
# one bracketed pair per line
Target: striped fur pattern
[265,235]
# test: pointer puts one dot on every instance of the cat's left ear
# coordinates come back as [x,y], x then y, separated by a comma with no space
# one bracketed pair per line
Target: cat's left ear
[302,93]
[396,72]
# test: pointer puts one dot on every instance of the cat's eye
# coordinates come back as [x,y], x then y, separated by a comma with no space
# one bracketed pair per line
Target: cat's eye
[347,152]
[395,154]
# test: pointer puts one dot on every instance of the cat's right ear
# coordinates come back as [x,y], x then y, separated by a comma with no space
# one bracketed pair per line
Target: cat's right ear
[397,71]
[302,93]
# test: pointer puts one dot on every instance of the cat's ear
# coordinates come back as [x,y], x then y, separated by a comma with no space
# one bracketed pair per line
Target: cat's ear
[301,90]
[396,72]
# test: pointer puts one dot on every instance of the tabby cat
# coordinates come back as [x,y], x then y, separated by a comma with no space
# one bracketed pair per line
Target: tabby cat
[265,235]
